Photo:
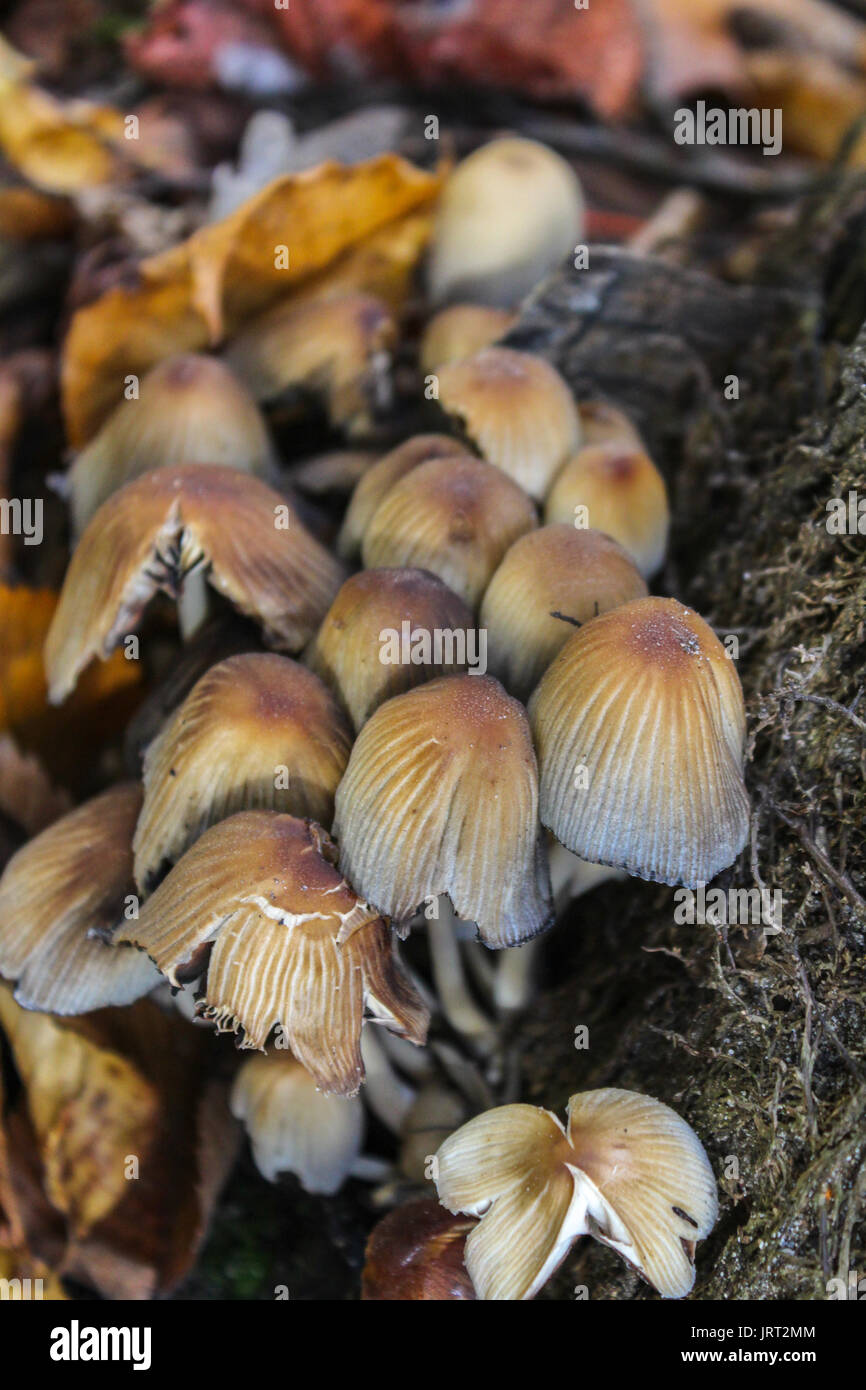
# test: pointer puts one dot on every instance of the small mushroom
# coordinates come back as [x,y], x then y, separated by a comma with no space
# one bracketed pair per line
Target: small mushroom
[68,882]
[516,410]
[158,529]
[378,480]
[258,906]
[626,1170]
[459,332]
[602,422]
[257,731]
[415,1254]
[615,487]
[454,516]
[550,582]
[640,726]
[440,796]
[508,215]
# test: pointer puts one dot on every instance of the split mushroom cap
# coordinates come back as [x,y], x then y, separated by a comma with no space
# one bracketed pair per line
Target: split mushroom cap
[256,732]
[415,1254]
[441,796]
[335,346]
[615,487]
[152,532]
[379,637]
[601,422]
[190,409]
[517,411]
[294,1127]
[460,331]
[454,516]
[640,725]
[285,941]
[626,1170]
[508,215]
[379,479]
[69,880]
[551,581]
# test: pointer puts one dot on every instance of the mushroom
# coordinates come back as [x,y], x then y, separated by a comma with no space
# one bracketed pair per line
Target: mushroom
[258,906]
[615,487]
[550,582]
[71,880]
[516,410]
[602,422]
[626,1170]
[440,796]
[415,1254]
[151,534]
[640,725]
[387,471]
[257,731]
[460,331]
[387,631]
[454,516]
[190,409]
[508,215]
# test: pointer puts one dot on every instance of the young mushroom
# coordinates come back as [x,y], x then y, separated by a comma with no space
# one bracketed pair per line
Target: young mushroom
[626,1169]
[379,479]
[415,1254]
[440,796]
[615,487]
[640,726]
[459,332]
[73,879]
[259,909]
[158,529]
[516,410]
[257,731]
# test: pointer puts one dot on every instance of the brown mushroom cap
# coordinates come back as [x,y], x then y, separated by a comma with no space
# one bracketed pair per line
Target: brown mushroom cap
[622,492]
[551,581]
[285,941]
[415,1254]
[348,651]
[517,411]
[387,471]
[453,516]
[645,703]
[602,422]
[460,331]
[72,878]
[440,796]
[155,529]
[257,731]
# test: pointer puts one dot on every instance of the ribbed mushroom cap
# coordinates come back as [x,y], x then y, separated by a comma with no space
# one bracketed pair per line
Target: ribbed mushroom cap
[460,331]
[601,422]
[454,516]
[387,631]
[551,581]
[440,796]
[190,409]
[293,1126]
[508,215]
[639,725]
[258,731]
[517,411]
[387,471]
[622,492]
[154,530]
[68,880]
[334,346]
[415,1254]
[627,1170]
[284,939]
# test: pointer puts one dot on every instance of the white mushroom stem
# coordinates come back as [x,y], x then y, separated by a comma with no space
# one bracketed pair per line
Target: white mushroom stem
[516,975]
[454,995]
[193,601]
[387,1094]
[414,1061]
[571,876]
[371,1169]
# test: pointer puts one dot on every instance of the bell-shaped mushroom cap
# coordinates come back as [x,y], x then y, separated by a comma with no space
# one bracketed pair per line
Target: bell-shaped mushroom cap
[639,725]
[601,422]
[415,1254]
[508,215]
[517,411]
[293,1126]
[258,731]
[460,331]
[454,516]
[440,796]
[615,487]
[334,346]
[190,409]
[551,581]
[386,631]
[285,940]
[148,535]
[379,479]
[72,878]
[627,1171]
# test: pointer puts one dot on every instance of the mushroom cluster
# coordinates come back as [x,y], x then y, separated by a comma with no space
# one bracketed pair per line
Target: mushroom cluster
[454,706]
